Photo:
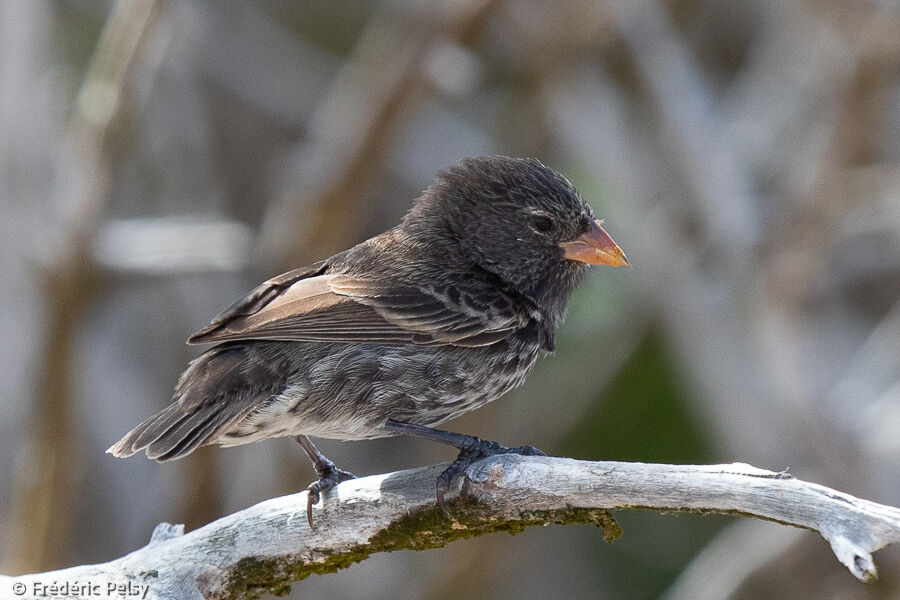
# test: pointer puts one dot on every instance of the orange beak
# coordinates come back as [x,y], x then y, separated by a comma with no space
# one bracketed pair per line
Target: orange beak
[595,247]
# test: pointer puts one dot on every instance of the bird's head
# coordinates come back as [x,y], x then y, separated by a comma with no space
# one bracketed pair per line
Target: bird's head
[522,221]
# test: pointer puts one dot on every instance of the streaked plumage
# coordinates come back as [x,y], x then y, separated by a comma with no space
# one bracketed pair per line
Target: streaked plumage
[435,317]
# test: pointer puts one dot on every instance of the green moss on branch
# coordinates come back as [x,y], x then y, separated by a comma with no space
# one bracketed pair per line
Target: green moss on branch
[420,530]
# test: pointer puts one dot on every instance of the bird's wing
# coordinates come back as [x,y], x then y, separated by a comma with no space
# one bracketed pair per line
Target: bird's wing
[257,299]
[309,305]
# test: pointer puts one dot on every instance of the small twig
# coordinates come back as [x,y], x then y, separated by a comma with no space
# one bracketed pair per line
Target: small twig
[268,546]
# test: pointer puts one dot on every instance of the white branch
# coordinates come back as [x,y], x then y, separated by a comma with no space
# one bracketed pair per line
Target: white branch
[268,546]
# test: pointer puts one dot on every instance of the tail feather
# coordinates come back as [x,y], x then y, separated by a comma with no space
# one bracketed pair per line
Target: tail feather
[187,435]
[160,433]
[172,433]
[149,431]
[215,392]
[159,426]
[176,448]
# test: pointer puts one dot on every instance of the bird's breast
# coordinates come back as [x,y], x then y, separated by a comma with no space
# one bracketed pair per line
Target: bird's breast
[349,391]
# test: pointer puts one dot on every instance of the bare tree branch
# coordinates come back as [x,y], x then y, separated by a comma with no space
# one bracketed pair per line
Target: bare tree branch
[268,546]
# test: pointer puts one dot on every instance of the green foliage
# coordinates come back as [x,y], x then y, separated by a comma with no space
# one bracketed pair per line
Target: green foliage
[643,415]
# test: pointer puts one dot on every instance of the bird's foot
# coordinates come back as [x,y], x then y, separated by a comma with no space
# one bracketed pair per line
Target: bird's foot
[474,449]
[470,448]
[329,476]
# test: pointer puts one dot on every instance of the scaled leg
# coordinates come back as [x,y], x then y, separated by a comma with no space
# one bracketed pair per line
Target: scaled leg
[470,449]
[329,475]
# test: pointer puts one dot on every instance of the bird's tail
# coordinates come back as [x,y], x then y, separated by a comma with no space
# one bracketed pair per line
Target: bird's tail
[207,401]
[170,434]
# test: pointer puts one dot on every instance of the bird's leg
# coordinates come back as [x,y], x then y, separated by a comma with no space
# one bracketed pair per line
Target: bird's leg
[470,449]
[329,475]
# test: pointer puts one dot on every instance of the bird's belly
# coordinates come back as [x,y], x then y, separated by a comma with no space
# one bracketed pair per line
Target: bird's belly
[350,393]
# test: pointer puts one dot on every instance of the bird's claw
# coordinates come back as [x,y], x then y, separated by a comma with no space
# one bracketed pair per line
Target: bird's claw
[442,504]
[526,451]
[477,450]
[328,478]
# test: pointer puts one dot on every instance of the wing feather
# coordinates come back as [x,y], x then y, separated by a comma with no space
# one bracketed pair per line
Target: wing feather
[312,305]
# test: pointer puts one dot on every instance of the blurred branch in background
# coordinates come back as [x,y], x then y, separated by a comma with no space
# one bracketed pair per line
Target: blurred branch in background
[171,246]
[43,490]
[317,211]
[716,573]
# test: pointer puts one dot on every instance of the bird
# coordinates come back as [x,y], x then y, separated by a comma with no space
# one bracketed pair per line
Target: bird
[441,314]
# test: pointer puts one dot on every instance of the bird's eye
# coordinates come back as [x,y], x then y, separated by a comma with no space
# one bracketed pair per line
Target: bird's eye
[542,224]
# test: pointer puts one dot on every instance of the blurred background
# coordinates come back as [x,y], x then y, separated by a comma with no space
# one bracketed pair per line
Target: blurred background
[158,159]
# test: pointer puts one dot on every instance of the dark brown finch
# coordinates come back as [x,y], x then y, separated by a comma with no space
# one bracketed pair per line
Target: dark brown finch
[429,320]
